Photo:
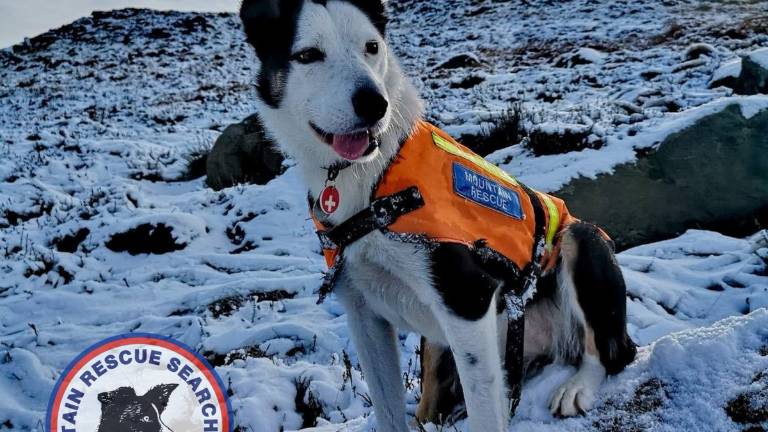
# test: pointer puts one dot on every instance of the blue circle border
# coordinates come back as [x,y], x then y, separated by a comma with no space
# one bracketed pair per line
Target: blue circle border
[182,345]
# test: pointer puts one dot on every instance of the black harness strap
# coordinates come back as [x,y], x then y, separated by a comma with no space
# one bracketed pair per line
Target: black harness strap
[533,270]
[382,213]
[513,357]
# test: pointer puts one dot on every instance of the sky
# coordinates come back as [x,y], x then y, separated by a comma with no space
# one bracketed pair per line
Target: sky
[20,19]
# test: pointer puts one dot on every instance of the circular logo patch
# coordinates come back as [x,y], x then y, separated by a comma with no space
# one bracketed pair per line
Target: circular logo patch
[139,382]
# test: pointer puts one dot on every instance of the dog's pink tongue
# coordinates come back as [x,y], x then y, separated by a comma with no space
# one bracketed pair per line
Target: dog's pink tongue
[350,146]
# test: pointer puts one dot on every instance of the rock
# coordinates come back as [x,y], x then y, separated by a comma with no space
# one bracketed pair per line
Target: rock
[581,56]
[650,74]
[690,64]
[629,107]
[558,138]
[243,154]
[712,175]
[461,61]
[508,129]
[696,50]
[468,82]
[726,75]
[752,73]
[666,103]
[193,24]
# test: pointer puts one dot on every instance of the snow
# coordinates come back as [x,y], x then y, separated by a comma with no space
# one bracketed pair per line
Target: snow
[760,57]
[728,69]
[520,44]
[97,128]
[22,19]
[591,55]
[696,362]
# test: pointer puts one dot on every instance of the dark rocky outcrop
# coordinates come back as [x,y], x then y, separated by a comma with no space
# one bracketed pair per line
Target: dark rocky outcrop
[508,129]
[468,82]
[461,61]
[581,56]
[712,175]
[243,154]
[545,140]
[753,78]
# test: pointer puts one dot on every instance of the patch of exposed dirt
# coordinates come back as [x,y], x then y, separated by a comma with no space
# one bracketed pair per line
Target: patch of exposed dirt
[226,306]
[146,239]
[637,413]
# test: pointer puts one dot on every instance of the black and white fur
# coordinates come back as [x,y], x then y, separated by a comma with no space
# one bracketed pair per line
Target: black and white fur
[318,76]
[122,410]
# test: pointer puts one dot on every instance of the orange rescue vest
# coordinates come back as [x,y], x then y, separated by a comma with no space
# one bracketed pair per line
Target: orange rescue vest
[466,199]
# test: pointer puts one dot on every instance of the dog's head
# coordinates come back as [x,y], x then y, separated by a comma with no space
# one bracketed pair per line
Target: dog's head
[124,411]
[327,84]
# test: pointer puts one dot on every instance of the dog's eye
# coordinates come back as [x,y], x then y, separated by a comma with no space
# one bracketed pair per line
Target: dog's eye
[309,55]
[372,47]
[145,419]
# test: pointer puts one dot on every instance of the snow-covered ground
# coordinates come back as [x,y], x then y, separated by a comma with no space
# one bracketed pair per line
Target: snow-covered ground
[97,126]
[23,19]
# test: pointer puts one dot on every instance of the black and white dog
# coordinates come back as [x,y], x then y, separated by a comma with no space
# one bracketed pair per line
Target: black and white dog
[331,92]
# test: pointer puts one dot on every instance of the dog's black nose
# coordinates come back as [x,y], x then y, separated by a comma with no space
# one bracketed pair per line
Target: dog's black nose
[369,105]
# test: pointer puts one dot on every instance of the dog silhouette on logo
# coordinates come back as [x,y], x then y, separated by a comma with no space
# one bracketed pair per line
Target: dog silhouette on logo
[124,411]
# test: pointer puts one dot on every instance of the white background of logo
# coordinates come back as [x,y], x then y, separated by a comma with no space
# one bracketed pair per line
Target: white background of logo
[183,412]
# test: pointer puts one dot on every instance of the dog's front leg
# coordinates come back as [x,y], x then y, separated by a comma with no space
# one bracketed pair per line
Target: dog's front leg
[467,315]
[376,343]
[476,350]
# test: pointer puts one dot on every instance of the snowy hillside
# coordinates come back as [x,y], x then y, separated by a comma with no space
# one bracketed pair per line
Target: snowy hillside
[105,230]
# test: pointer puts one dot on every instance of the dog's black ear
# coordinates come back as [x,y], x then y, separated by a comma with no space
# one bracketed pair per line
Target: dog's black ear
[255,12]
[270,26]
[267,21]
[120,395]
[159,395]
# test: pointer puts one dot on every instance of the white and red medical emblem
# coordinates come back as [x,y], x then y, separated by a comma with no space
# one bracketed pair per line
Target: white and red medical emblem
[330,199]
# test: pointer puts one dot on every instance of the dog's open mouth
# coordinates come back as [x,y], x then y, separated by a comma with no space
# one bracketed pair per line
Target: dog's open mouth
[351,146]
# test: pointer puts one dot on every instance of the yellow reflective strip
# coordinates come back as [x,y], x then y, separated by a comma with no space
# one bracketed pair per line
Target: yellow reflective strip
[477,160]
[446,145]
[554,220]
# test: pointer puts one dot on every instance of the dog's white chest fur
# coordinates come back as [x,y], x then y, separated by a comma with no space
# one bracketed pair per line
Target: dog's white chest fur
[393,279]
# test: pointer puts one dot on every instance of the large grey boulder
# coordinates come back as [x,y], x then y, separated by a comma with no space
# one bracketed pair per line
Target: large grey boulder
[243,154]
[747,76]
[712,175]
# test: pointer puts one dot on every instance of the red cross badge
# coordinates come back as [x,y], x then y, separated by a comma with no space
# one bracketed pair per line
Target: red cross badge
[329,199]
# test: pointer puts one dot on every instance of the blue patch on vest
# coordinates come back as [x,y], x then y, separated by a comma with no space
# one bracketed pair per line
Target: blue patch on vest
[486,192]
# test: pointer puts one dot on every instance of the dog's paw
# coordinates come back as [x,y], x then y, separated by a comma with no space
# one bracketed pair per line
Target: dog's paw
[578,394]
[573,398]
